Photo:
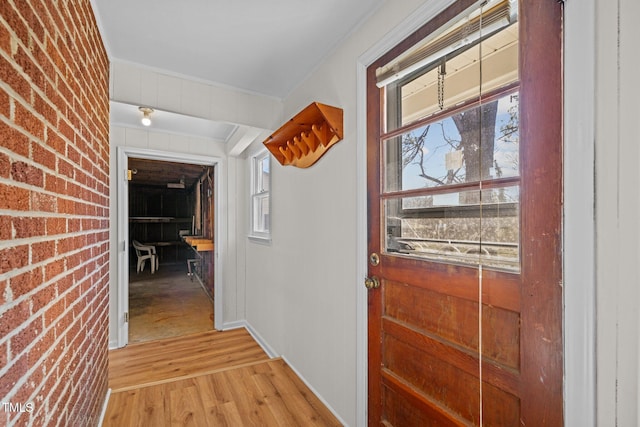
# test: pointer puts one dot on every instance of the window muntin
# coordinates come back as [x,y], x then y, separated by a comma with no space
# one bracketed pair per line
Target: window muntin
[451,185]
[260,196]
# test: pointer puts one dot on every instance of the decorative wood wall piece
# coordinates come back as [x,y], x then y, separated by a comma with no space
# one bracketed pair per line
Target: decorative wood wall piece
[307,136]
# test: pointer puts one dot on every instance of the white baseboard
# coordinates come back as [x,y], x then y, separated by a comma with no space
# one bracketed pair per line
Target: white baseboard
[104,407]
[335,414]
[237,324]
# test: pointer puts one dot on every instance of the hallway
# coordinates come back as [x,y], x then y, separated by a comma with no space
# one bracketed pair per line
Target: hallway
[207,379]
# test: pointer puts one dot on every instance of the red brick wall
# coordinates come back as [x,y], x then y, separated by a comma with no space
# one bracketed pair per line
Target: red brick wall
[54,226]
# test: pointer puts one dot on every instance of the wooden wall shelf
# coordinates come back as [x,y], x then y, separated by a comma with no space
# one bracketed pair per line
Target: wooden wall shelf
[307,136]
[199,244]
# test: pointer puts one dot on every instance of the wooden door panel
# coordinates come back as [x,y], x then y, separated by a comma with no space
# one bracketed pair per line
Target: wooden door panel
[499,289]
[403,408]
[455,320]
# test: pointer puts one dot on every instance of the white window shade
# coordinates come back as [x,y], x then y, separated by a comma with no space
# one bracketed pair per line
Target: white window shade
[468,31]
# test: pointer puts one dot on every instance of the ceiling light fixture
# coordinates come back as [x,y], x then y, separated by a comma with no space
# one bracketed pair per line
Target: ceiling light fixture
[146,115]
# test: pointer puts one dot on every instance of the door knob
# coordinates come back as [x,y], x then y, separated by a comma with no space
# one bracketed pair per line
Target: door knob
[371,283]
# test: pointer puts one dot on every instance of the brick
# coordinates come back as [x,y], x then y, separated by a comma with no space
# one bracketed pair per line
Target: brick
[42,155]
[27,389]
[28,121]
[43,297]
[41,202]
[33,23]
[74,225]
[30,68]
[16,370]
[41,251]
[64,284]
[5,103]
[13,140]
[5,228]
[13,258]
[28,174]
[16,24]
[14,317]
[28,334]
[14,198]
[5,293]
[5,40]
[65,168]
[25,282]
[15,79]
[28,227]
[4,354]
[54,312]
[53,269]
[5,166]
[43,108]
[56,226]
[55,141]
[73,154]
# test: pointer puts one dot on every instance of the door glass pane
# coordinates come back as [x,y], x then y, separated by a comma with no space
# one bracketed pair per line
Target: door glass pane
[467,227]
[457,149]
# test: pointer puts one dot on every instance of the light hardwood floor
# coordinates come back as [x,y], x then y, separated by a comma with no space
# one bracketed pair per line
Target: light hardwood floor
[208,379]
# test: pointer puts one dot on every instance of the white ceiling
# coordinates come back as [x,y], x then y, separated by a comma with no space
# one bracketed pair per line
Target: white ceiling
[263,46]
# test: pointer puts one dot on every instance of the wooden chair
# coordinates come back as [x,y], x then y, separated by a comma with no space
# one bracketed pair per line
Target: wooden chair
[145,252]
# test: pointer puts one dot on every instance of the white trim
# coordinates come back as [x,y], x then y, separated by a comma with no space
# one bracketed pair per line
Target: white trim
[236,324]
[220,228]
[579,216]
[122,247]
[105,404]
[424,14]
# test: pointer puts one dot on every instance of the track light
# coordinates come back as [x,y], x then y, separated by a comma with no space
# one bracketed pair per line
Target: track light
[146,115]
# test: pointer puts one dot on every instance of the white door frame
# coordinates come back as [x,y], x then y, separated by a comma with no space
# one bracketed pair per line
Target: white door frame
[220,218]
[579,283]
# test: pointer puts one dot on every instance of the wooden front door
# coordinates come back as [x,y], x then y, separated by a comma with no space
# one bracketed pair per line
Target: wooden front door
[465,202]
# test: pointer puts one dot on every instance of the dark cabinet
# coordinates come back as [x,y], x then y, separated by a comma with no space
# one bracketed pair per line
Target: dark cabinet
[159,217]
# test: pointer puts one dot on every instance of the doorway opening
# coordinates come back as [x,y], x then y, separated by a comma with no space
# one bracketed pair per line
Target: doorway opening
[168,227]
[171,278]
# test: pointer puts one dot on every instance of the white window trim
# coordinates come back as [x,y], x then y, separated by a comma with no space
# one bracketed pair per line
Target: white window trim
[258,236]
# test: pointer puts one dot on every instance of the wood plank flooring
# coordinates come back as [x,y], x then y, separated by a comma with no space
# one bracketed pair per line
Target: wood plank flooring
[181,357]
[208,379]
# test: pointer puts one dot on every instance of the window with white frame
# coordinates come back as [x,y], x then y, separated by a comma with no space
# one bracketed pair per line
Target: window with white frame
[260,196]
